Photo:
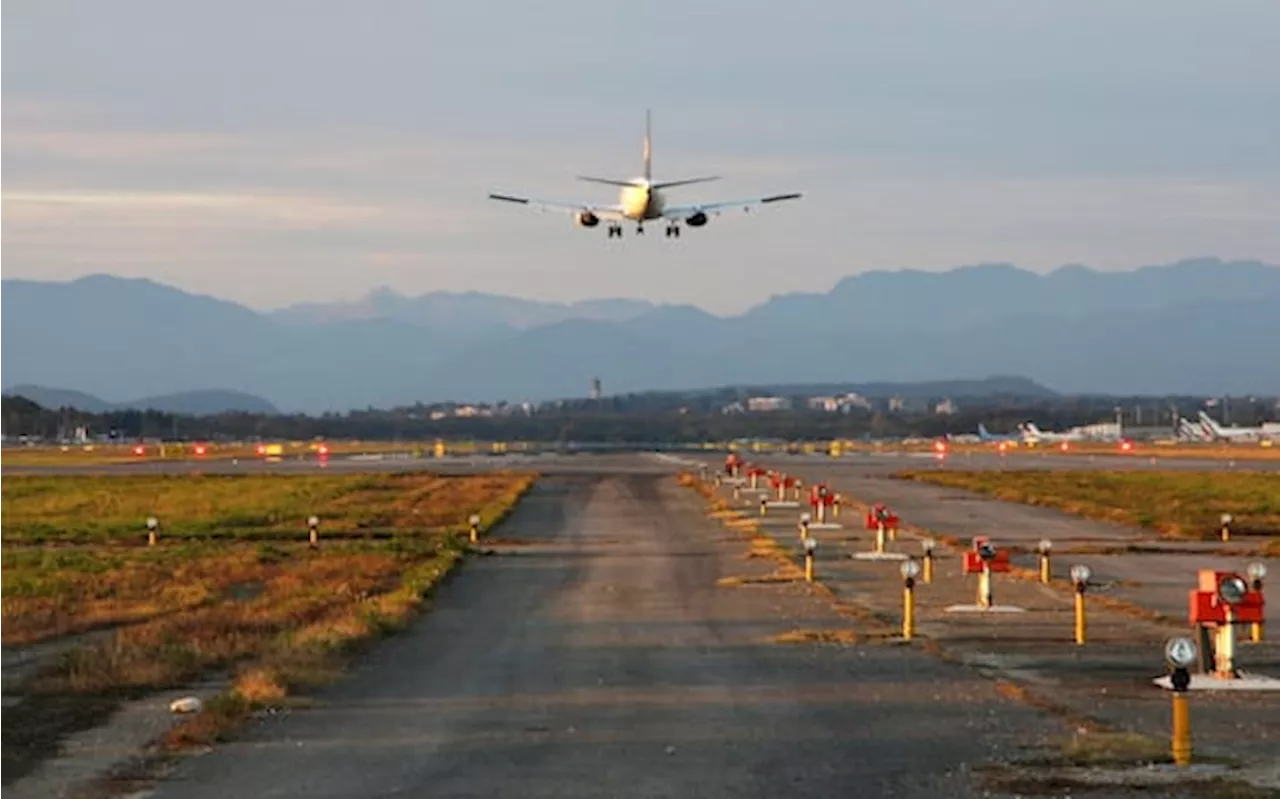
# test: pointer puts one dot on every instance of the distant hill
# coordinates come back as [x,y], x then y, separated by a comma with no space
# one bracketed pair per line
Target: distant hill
[459,310]
[1200,326]
[54,398]
[191,403]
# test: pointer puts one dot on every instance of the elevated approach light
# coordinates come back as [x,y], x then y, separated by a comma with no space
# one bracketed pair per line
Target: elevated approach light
[1181,653]
[910,569]
[1257,572]
[1080,574]
[1232,590]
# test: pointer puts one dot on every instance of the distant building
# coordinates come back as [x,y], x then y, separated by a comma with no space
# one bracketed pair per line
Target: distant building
[828,404]
[595,388]
[756,404]
[897,404]
[945,408]
[854,400]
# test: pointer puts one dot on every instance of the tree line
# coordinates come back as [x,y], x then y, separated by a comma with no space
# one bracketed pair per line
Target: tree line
[585,421]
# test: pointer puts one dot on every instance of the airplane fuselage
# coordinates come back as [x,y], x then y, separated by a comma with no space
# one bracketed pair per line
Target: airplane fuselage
[640,201]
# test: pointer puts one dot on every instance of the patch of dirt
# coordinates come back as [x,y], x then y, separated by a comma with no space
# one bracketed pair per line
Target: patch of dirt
[807,636]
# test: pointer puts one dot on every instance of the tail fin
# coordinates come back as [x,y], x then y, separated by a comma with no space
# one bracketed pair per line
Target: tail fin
[648,147]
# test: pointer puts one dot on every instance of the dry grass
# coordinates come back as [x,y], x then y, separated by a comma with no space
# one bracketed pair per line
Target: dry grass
[103,508]
[1112,748]
[105,454]
[1182,504]
[275,614]
[809,636]
[1176,450]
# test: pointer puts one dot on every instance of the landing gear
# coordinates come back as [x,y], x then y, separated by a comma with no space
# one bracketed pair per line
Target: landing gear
[673,231]
[615,230]
[639,230]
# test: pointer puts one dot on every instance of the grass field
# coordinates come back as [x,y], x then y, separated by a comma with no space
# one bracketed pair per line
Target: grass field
[113,509]
[1141,449]
[106,454]
[232,585]
[1178,503]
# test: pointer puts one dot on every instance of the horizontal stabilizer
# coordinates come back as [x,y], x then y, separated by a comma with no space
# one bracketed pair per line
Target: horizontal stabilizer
[507,198]
[777,197]
[608,181]
[669,183]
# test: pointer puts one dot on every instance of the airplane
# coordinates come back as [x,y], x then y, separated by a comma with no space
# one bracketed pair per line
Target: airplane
[1193,431]
[1032,433]
[985,435]
[1232,433]
[641,200]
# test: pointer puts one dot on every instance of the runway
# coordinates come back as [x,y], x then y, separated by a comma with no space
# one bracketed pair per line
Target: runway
[596,656]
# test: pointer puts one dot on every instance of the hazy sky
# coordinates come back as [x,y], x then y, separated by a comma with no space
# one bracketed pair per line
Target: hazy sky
[273,152]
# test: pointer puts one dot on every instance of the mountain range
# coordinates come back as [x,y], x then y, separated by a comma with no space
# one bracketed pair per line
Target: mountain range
[1201,326]
[192,403]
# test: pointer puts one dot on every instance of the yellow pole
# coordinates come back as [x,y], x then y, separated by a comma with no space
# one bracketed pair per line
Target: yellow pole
[1080,618]
[764,506]
[1226,532]
[808,567]
[1255,632]
[151,538]
[1181,730]
[1046,572]
[927,571]
[475,535]
[908,610]
[314,539]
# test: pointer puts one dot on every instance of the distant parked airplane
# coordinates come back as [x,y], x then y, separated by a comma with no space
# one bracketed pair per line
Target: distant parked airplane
[985,435]
[641,199]
[1034,434]
[1232,433]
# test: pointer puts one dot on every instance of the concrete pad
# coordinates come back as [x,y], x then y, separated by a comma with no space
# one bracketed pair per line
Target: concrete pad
[879,556]
[988,609]
[1206,682]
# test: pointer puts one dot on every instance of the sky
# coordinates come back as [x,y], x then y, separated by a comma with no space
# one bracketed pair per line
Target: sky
[280,152]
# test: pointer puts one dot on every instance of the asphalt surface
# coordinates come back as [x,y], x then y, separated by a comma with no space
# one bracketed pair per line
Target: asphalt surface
[594,655]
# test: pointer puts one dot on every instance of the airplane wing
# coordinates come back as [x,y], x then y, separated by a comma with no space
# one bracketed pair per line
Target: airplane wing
[682,211]
[609,212]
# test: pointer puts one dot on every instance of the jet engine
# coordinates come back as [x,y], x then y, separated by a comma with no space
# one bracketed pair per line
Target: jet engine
[586,219]
[697,220]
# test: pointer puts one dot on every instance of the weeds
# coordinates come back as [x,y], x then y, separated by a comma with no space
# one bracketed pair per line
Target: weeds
[1180,504]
